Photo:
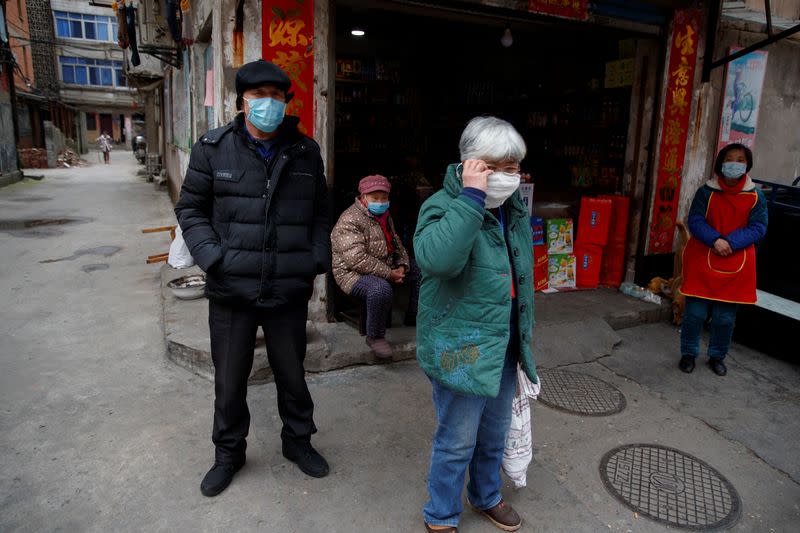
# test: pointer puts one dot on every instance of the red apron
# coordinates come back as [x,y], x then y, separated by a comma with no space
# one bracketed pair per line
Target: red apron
[711,276]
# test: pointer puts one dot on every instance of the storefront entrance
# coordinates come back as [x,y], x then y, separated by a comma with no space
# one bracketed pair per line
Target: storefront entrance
[406,88]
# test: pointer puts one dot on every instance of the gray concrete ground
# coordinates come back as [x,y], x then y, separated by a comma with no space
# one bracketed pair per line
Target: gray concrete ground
[99,431]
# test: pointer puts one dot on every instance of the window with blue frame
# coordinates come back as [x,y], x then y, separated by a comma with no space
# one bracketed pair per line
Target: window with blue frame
[92,72]
[82,26]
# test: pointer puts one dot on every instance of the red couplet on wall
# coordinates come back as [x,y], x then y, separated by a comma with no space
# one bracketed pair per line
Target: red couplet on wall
[588,259]
[287,28]
[620,211]
[686,32]
[594,221]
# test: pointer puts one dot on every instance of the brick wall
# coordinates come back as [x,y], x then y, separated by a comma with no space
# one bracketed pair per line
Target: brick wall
[17,21]
[40,19]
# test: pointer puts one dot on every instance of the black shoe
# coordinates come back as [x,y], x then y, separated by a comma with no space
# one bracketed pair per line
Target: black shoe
[218,478]
[686,364]
[307,458]
[718,367]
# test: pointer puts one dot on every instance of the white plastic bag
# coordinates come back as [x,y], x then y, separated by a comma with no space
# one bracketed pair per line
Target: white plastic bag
[519,442]
[179,256]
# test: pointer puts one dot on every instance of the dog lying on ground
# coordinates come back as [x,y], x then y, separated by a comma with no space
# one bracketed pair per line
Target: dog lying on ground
[671,288]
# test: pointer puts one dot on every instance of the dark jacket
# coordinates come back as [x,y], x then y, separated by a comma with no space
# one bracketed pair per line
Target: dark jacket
[259,229]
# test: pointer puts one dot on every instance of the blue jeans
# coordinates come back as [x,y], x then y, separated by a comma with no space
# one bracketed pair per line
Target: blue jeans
[471,432]
[723,318]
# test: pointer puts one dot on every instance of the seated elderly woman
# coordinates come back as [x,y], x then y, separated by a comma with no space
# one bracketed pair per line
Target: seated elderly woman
[368,258]
[473,245]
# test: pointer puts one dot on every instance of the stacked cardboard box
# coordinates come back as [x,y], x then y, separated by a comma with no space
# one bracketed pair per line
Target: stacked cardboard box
[612,268]
[597,255]
[560,257]
[594,223]
[539,254]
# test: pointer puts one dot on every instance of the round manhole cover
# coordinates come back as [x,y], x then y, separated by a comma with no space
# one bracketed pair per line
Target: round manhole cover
[670,487]
[580,394]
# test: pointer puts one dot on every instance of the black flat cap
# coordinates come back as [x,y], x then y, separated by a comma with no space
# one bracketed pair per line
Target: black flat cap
[258,73]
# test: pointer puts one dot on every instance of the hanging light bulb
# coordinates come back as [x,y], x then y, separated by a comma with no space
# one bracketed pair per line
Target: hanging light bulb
[357,32]
[507,39]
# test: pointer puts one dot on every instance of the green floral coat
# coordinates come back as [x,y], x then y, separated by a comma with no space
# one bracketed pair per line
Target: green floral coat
[465,299]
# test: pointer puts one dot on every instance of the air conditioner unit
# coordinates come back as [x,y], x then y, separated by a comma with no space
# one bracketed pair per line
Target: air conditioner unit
[155,42]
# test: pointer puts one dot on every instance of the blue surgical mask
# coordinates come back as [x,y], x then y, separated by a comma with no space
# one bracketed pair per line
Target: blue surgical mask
[733,170]
[266,114]
[378,208]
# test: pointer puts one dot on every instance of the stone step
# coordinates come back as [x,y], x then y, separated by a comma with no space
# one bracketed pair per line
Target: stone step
[572,327]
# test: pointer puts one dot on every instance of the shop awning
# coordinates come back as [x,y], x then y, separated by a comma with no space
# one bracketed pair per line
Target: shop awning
[738,16]
[32,97]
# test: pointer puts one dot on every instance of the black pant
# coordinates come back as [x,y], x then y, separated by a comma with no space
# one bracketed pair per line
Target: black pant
[233,337]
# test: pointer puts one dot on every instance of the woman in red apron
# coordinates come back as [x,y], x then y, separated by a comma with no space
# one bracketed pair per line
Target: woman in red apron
[728,216]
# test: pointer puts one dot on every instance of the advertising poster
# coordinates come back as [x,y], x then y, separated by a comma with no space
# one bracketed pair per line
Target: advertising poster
[744,82]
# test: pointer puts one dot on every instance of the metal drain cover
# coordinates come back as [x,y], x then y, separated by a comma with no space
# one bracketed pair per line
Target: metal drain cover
[580,394]
[670,487]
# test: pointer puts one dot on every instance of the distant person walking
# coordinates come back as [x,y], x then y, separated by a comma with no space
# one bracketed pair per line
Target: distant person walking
[104,142]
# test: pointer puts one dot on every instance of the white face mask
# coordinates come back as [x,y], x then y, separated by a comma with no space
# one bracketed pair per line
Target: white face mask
[501,186]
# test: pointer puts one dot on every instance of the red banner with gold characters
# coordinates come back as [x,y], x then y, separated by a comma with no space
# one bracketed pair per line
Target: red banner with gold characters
[678,104]
[287,32]
[571,9]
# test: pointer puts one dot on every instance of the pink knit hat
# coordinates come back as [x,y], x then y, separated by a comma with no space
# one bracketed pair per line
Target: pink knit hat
[374,183]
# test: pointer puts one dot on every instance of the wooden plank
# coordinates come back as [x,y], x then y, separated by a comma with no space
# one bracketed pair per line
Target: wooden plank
[777,304]
[638,150]
[156,230]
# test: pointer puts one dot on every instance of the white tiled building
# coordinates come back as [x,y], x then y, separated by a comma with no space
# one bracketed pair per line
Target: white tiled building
[91,68]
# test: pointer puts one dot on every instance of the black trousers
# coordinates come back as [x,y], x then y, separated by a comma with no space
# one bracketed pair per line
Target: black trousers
[233,337]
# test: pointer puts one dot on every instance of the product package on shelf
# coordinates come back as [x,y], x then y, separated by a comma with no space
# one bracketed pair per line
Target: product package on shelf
[561,271]
[540,277]
[588,259]
[526,190]
[594,222]
[539,254]
[540,267]
[537,230]
[559,235]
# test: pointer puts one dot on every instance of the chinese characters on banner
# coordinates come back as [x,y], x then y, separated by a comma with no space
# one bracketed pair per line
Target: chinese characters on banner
[572,9]
[287,31]
[744,80]
[678,103]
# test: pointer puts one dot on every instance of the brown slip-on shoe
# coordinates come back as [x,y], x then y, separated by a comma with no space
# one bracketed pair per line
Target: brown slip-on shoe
[380,347]
[503,516]
[447,529]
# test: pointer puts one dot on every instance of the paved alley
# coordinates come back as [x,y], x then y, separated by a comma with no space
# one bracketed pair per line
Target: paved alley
[100,432]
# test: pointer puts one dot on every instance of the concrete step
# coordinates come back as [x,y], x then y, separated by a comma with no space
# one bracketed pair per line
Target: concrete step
[573,327]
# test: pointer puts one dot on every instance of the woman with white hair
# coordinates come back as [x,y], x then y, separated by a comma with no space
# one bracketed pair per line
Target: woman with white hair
[475,318]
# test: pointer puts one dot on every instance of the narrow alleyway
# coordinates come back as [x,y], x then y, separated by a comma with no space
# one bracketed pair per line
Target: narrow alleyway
[99,432]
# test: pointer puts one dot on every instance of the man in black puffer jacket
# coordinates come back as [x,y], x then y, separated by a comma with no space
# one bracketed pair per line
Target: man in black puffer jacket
[254,210]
